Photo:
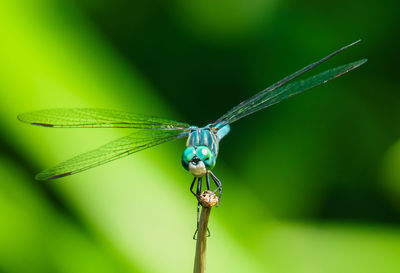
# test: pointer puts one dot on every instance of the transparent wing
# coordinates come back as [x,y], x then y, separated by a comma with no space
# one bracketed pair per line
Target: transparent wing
[133,143]
[97,118]
[279,91]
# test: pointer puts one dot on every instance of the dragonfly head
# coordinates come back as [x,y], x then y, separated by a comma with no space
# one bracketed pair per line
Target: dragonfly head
[197,160]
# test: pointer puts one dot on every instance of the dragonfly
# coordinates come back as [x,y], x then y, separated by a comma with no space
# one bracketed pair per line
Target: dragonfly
[200,155]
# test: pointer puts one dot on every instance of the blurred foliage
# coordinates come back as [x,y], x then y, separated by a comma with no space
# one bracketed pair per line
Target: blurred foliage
[310,185]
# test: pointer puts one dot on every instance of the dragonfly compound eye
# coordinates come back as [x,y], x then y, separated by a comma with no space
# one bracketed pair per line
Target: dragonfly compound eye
[187,156]
[205,155]
[198,160]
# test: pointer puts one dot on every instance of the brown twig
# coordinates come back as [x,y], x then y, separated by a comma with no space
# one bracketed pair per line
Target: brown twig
[207,199]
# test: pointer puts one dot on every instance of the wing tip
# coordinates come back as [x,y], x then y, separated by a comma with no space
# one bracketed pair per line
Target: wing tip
[43,176]
[359,63]
[353,43]
[347,46]
[22,117]
[363,61]
[42,124]
[351,66]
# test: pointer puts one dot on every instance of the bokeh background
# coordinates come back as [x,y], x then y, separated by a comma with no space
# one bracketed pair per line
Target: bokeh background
[310,185]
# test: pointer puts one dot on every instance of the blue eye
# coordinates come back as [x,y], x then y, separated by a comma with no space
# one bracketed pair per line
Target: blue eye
[205,155]
[202,153]
[187,155]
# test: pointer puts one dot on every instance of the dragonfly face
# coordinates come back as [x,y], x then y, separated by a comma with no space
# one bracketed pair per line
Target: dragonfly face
[197,160]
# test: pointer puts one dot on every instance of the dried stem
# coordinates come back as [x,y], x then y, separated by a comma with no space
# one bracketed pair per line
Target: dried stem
[200,258]
[207,200]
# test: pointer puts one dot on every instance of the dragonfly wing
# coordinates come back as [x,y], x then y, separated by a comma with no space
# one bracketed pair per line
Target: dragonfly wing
[97,118]
[278,91]
[132,143]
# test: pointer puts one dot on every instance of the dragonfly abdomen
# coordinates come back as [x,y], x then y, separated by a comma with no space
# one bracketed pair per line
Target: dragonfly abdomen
[223,131]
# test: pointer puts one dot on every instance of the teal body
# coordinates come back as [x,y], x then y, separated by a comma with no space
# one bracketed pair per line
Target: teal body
[208,137]
[202,149]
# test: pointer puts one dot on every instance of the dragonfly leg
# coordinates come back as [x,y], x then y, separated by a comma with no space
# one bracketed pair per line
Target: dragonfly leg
[219,185]
[199,186]
[199,183]
[191,186]
[208,181]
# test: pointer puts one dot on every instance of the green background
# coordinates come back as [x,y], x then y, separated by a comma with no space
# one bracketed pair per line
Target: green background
[310,185]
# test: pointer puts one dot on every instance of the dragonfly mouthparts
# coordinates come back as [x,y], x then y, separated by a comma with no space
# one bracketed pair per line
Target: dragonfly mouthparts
[195,159]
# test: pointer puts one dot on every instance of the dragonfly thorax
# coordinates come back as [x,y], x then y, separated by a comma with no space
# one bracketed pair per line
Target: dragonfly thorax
[197,160]
[204,136]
